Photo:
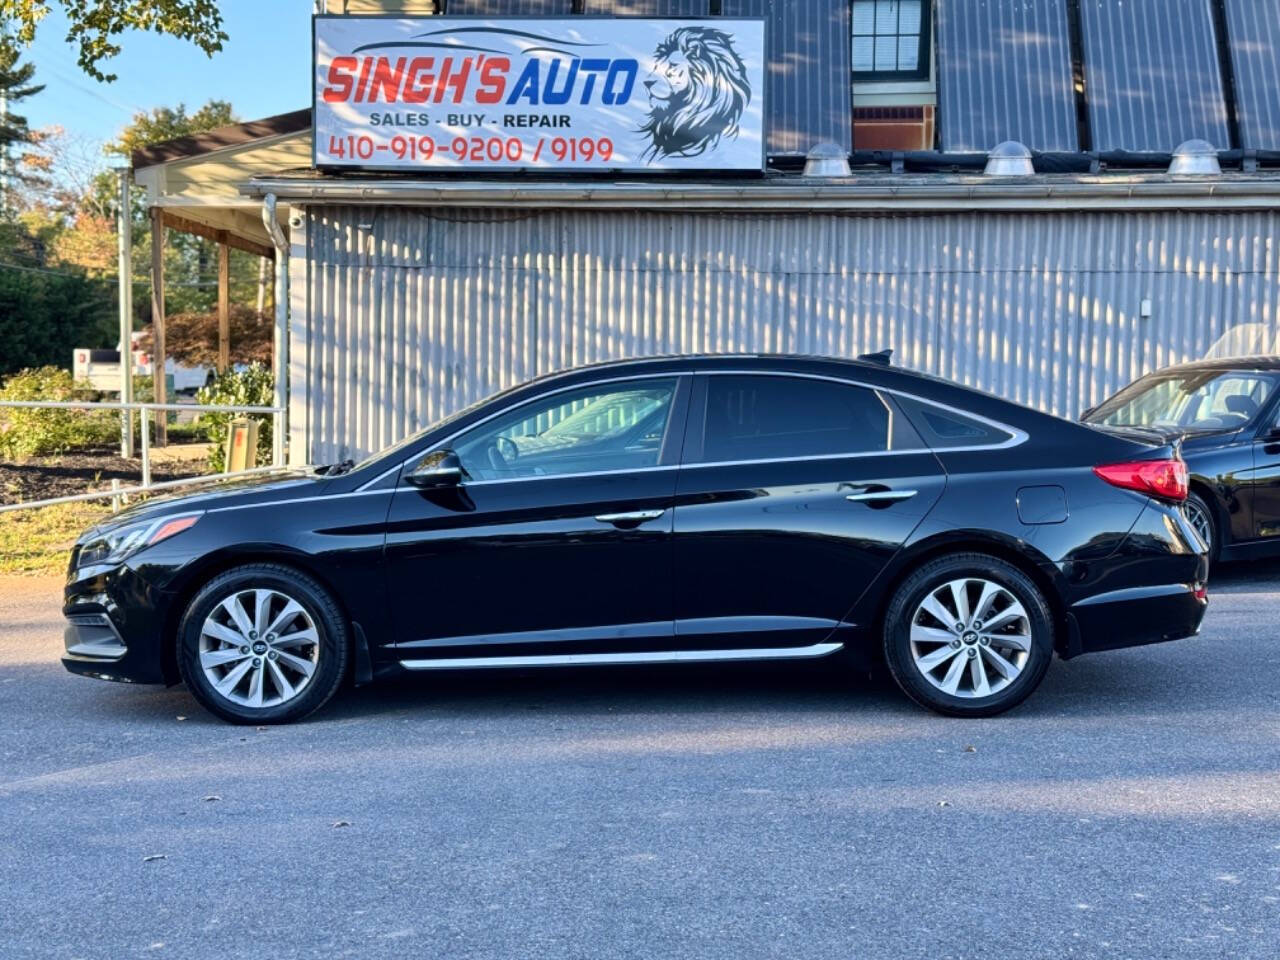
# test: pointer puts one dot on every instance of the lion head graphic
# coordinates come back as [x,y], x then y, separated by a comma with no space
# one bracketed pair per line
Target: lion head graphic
[697,92]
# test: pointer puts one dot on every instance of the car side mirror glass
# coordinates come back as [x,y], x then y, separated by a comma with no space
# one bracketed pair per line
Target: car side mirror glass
[440,468]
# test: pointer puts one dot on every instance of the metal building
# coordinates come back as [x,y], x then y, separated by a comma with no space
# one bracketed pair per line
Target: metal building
[412,294]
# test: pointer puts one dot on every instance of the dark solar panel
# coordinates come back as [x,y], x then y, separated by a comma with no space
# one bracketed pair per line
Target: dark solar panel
[1004,73]
[1253,30]
[648,8]
[1152,77]
[808,97]
[509,8]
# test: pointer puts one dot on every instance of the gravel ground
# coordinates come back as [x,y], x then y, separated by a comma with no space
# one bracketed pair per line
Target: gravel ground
[1130,809]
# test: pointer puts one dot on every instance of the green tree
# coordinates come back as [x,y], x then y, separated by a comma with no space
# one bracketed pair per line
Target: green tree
[15,86]
[46,311]
[169,123]
[96,25]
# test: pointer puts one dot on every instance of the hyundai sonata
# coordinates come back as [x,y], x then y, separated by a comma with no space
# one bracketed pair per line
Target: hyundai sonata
[676,510]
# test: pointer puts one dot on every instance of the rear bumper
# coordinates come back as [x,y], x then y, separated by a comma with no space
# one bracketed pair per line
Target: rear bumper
[1149,591]
[1135,616]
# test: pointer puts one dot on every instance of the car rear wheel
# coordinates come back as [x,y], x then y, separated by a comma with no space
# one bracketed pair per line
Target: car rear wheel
[968,635]
[263,644]
[1200,515]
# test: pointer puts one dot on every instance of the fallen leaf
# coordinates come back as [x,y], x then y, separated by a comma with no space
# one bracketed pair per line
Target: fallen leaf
[210,798]
[182,718]
[342,823]
[944,803]
[970,748]
[154,856]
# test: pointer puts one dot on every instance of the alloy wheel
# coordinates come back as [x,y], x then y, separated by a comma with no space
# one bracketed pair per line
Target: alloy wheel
[970,637]
[259,648]
[1200,521]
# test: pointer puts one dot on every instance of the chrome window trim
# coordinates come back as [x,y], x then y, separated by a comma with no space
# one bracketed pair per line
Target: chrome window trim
[1016,436]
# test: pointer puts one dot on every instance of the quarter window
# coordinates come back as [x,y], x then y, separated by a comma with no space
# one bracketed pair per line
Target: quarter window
[946,429]
[618,426]
[769,417]
[890,39]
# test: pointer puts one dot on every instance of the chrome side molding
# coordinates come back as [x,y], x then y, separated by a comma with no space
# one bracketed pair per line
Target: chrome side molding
[604,659]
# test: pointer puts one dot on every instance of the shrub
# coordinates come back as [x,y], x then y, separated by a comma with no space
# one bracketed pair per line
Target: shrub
[28,433]
[252,386]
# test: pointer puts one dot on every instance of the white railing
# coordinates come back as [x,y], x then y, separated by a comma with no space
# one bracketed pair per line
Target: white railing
[145,409]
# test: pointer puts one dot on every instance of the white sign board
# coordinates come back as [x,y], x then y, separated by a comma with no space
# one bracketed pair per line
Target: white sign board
[574,93]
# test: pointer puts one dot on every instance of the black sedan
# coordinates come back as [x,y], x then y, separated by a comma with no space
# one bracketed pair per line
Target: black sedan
[1225,416]
[678,510]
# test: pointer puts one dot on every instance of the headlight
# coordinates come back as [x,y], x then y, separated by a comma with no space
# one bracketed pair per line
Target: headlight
[116,544]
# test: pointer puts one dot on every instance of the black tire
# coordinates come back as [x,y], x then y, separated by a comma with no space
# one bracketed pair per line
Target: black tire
[332,648]
[907,600]
[1195,502]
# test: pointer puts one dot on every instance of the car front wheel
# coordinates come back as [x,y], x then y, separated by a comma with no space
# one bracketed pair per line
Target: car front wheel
[968,635]
[263,643]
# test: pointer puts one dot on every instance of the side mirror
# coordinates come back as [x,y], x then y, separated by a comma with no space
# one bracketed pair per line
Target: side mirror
[441,468]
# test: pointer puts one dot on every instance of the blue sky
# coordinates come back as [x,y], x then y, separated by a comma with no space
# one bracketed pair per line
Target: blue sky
[263,69]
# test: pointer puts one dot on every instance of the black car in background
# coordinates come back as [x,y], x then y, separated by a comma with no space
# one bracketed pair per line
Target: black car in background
[1225,416]
[678,510]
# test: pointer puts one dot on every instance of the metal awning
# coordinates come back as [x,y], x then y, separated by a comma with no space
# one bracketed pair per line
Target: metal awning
[794,194]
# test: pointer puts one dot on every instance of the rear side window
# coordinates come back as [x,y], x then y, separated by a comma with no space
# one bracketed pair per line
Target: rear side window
[770,417]
[949,428]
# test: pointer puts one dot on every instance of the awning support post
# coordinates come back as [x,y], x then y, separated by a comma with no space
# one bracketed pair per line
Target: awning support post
[159,348]
[280,422]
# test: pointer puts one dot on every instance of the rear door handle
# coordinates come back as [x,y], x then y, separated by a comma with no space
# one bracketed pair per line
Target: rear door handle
[882,495]
[631,519]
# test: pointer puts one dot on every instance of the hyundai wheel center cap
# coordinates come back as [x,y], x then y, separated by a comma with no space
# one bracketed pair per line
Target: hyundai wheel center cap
[259,648]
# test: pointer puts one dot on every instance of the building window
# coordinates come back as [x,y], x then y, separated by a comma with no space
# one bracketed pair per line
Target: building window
[890,40]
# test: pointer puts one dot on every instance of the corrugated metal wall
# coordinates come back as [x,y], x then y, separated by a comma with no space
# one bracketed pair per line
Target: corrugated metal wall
[414,312]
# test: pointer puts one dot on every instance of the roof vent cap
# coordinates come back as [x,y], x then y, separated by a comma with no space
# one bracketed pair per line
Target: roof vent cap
[1009,159]
[1195,158]
[826,159]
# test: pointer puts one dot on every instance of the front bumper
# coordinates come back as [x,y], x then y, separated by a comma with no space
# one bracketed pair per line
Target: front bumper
[115,626]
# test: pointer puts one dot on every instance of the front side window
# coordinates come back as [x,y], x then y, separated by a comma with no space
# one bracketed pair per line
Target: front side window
[1209,400]
[617,426]
[768,417]
[890,39]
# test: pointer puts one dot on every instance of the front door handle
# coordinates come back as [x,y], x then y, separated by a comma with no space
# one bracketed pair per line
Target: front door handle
[632,519]
[876,496]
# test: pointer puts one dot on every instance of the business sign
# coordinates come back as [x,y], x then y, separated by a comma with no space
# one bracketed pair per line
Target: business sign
[573,93]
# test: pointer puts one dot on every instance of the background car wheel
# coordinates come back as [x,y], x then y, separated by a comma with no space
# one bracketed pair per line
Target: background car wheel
[263,644]
[1200,515]
[968,635]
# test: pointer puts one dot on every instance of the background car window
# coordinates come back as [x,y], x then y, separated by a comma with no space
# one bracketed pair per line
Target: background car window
[755,418]
[1206,401]
[617,426]
[943,428]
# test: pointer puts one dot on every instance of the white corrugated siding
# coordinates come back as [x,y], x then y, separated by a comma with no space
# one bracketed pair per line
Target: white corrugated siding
[415,312]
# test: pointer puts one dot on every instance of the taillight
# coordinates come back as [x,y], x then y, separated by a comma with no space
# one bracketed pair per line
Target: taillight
[1159,478]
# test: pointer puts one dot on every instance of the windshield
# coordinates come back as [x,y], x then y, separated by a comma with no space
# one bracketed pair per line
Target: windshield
[1207,400]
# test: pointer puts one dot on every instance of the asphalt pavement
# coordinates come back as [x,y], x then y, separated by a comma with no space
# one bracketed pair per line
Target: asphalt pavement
[1131,808]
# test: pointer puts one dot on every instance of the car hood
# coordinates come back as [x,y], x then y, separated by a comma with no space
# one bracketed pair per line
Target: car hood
[217,493]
